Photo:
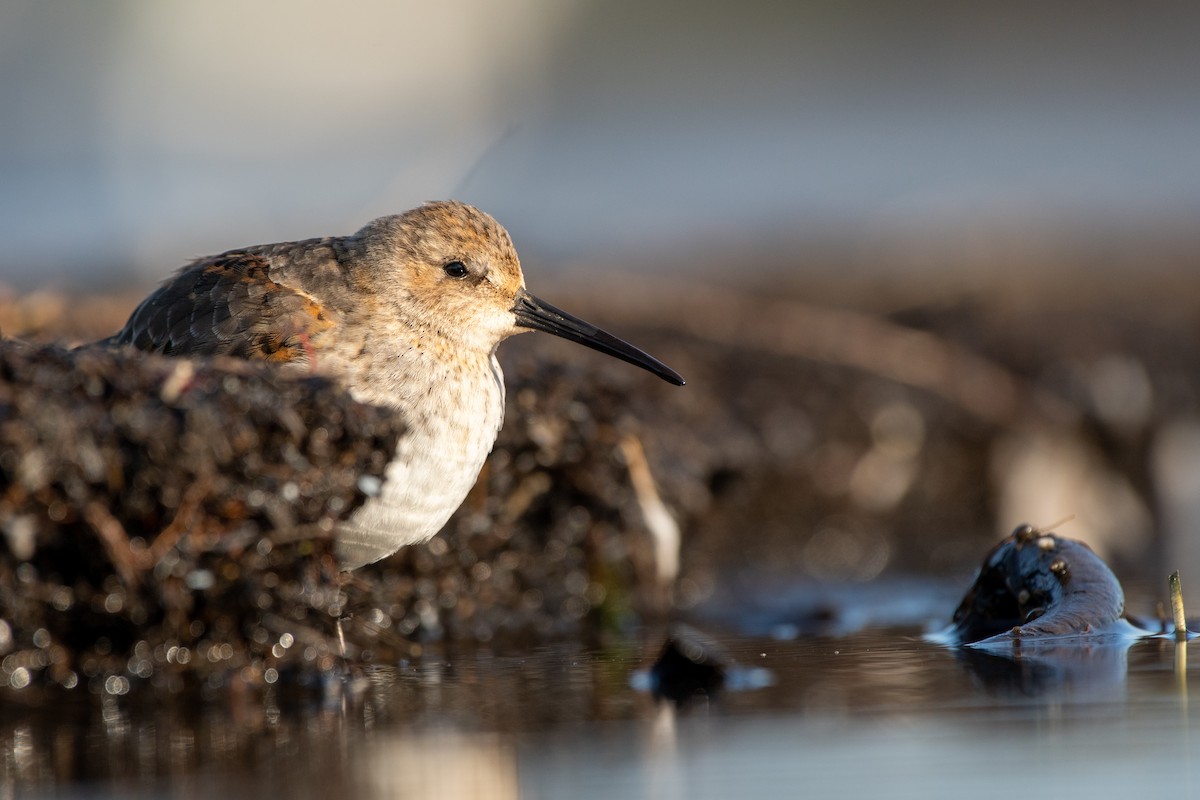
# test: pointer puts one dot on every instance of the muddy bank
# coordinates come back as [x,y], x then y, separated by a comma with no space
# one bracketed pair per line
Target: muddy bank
[157,511]
[808,446]
[170,521]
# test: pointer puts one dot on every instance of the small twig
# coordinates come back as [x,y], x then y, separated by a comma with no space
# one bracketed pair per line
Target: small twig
[522,496]
[1181,631]
[182,522]
[1056,525]
[115,540]
[341,637]
[1181,671]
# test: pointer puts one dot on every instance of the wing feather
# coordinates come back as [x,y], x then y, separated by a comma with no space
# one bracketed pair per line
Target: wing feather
[227,305]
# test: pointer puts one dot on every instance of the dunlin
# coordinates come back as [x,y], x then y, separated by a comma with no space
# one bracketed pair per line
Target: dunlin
[406,313]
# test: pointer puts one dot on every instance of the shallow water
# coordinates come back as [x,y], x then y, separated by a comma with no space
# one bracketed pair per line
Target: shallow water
[880,713]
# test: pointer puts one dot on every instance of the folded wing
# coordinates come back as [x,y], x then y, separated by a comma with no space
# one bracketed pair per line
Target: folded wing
[227,305]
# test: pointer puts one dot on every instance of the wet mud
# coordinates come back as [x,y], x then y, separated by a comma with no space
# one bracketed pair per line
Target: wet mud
[169,522]
[809,448]
[164,515]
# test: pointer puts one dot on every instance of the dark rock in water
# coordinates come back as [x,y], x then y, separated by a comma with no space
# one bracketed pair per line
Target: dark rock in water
[689,666]
[1036,584]
[170,503]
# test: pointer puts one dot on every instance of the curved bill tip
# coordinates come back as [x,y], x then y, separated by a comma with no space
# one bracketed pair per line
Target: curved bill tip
[534,313]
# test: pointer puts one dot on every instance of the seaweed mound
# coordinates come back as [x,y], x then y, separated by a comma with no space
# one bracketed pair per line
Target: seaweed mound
[153,507]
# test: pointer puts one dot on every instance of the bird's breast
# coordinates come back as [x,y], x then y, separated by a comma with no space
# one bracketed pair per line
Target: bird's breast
[451,428]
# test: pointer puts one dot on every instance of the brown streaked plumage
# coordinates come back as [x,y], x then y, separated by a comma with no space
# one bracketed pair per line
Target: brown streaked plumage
[227,305]
[407,313]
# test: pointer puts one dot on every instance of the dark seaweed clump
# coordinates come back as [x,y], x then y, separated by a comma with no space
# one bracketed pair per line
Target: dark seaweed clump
[163,515]
[170,521]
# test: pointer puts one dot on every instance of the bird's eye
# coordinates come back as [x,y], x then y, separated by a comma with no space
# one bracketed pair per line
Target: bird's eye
[456,269]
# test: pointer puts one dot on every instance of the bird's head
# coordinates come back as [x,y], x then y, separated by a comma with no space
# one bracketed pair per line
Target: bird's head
[453,274]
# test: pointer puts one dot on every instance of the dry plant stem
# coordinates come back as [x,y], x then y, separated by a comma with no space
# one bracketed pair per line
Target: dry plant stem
[1177,607]
[185,517]
[1056,525]
[115,540]
[655,514]
[1181,671]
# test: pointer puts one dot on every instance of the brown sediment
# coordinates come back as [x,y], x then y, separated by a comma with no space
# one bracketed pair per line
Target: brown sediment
[762,460]
[180,521]
[140,511]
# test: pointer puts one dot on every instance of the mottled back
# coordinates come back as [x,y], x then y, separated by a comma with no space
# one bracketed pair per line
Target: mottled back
[231,304]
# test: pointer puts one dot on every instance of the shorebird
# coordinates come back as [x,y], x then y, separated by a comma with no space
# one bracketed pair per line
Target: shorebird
[407,314]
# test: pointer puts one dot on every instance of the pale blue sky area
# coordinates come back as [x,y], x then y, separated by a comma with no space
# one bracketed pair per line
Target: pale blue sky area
[137,134]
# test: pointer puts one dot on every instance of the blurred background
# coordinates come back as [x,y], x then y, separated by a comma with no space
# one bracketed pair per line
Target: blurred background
[1018,182]
[962,140]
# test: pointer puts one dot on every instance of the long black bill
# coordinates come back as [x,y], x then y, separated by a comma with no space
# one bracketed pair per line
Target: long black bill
[539,315]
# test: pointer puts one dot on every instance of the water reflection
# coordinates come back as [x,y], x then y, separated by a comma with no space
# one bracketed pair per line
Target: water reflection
[1071,671]
[564,720]
[439,764]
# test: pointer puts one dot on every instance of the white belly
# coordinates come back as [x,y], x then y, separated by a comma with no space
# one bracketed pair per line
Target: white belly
[436,463]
